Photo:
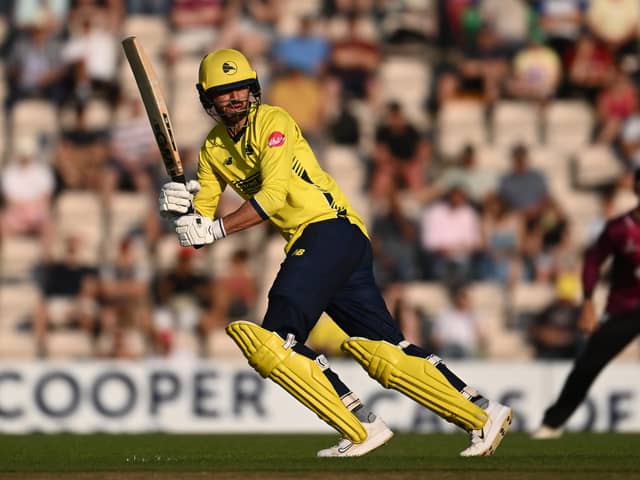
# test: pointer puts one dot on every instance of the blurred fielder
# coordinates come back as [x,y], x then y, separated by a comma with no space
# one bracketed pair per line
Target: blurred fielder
[259,151]
[619,239]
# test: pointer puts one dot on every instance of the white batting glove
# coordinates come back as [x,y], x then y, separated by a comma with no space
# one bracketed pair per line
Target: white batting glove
[177,198]
[195,230]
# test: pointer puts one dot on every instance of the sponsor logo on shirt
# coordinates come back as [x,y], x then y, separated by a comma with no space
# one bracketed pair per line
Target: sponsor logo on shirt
[251,185]
[276,139]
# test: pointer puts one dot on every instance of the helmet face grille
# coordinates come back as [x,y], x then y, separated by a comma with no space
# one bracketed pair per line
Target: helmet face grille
[223,71]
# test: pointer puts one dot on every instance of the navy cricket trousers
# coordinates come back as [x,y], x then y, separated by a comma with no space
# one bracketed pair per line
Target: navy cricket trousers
[329,269]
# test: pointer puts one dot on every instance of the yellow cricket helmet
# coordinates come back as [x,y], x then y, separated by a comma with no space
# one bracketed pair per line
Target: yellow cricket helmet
[225,70]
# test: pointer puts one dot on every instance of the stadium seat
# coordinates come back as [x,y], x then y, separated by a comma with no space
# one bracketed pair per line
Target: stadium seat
[67,345]
[429,297]
[17,304]
[515,122]
[127,212]
[35,118]
[489,303]
[19,255]
[597,165]
[493,158]
[568,125]
[343,164]
[70,207]
[406,80]
[527,298]
[17,346]
[190,121]
[152,31]
[459,123]
[220,345]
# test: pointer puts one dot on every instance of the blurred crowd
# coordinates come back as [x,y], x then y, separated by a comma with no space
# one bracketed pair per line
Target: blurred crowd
[485,143]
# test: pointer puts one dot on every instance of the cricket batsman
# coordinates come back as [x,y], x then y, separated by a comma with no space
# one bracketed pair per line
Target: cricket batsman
[259,151]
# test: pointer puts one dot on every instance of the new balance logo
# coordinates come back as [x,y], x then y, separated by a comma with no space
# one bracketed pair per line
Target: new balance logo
[298,252]
[345,448]
[228,161]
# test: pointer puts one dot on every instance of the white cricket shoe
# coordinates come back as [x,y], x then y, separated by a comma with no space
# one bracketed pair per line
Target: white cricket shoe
[486,440]
[377,435]
[545,432]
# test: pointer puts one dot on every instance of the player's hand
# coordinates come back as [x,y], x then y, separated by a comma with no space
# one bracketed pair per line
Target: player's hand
[587,321]
[195,230]
[177,198]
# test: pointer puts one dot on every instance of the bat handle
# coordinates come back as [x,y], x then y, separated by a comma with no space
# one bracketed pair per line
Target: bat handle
[182,179]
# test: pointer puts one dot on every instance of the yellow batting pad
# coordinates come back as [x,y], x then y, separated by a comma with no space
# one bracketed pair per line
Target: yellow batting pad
[417,378]
[300,376]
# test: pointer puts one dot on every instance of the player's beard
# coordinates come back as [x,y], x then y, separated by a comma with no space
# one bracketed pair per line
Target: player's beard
[232,117]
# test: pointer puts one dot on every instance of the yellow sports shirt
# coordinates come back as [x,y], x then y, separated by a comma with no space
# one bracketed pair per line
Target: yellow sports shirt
[273,167]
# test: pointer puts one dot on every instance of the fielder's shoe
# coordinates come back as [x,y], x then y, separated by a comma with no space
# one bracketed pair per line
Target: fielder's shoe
[485,441]
[545,432]
[377,435]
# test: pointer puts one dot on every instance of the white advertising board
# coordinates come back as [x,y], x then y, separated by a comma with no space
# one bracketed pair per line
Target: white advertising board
[217,397]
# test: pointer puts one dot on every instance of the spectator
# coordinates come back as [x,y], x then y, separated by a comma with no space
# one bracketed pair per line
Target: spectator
[523,188]
[630,140]
[196,26]
[125,306]
[34,67]
[353,62]
[457,332]
[503,233]
[410,22]
[394,237]
[510,19]
[133,153]
[160,8]
[589,65]
[400,155]
[81,157]
[450,238]
[240,287]
[554,332]
[27,187]
[287,90]
[185,301]
[536,72]
[614,21]
[477,181]
[305,50]
[616,102]
[560,22]
[69,295]
[92,53]
[484,66]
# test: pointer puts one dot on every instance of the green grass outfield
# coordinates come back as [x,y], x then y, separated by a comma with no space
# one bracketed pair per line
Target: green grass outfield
[407,456]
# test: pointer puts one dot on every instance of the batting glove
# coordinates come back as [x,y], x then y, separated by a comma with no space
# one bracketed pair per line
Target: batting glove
[195,230]
[177,198]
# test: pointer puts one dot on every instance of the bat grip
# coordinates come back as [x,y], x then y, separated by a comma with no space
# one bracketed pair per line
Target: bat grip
[182,179]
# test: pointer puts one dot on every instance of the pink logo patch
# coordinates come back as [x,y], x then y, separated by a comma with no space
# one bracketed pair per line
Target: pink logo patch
[276,139]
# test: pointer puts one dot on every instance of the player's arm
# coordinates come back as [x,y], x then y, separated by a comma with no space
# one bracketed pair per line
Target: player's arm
[275,169]
[278,134]
[594,257]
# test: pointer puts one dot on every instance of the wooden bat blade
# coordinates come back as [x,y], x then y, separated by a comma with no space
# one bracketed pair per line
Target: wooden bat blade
[155,105]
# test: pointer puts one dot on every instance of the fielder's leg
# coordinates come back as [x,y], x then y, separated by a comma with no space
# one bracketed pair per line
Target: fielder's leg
[609,339]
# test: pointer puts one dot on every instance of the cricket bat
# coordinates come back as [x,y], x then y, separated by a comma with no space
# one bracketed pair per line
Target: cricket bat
[155,105]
